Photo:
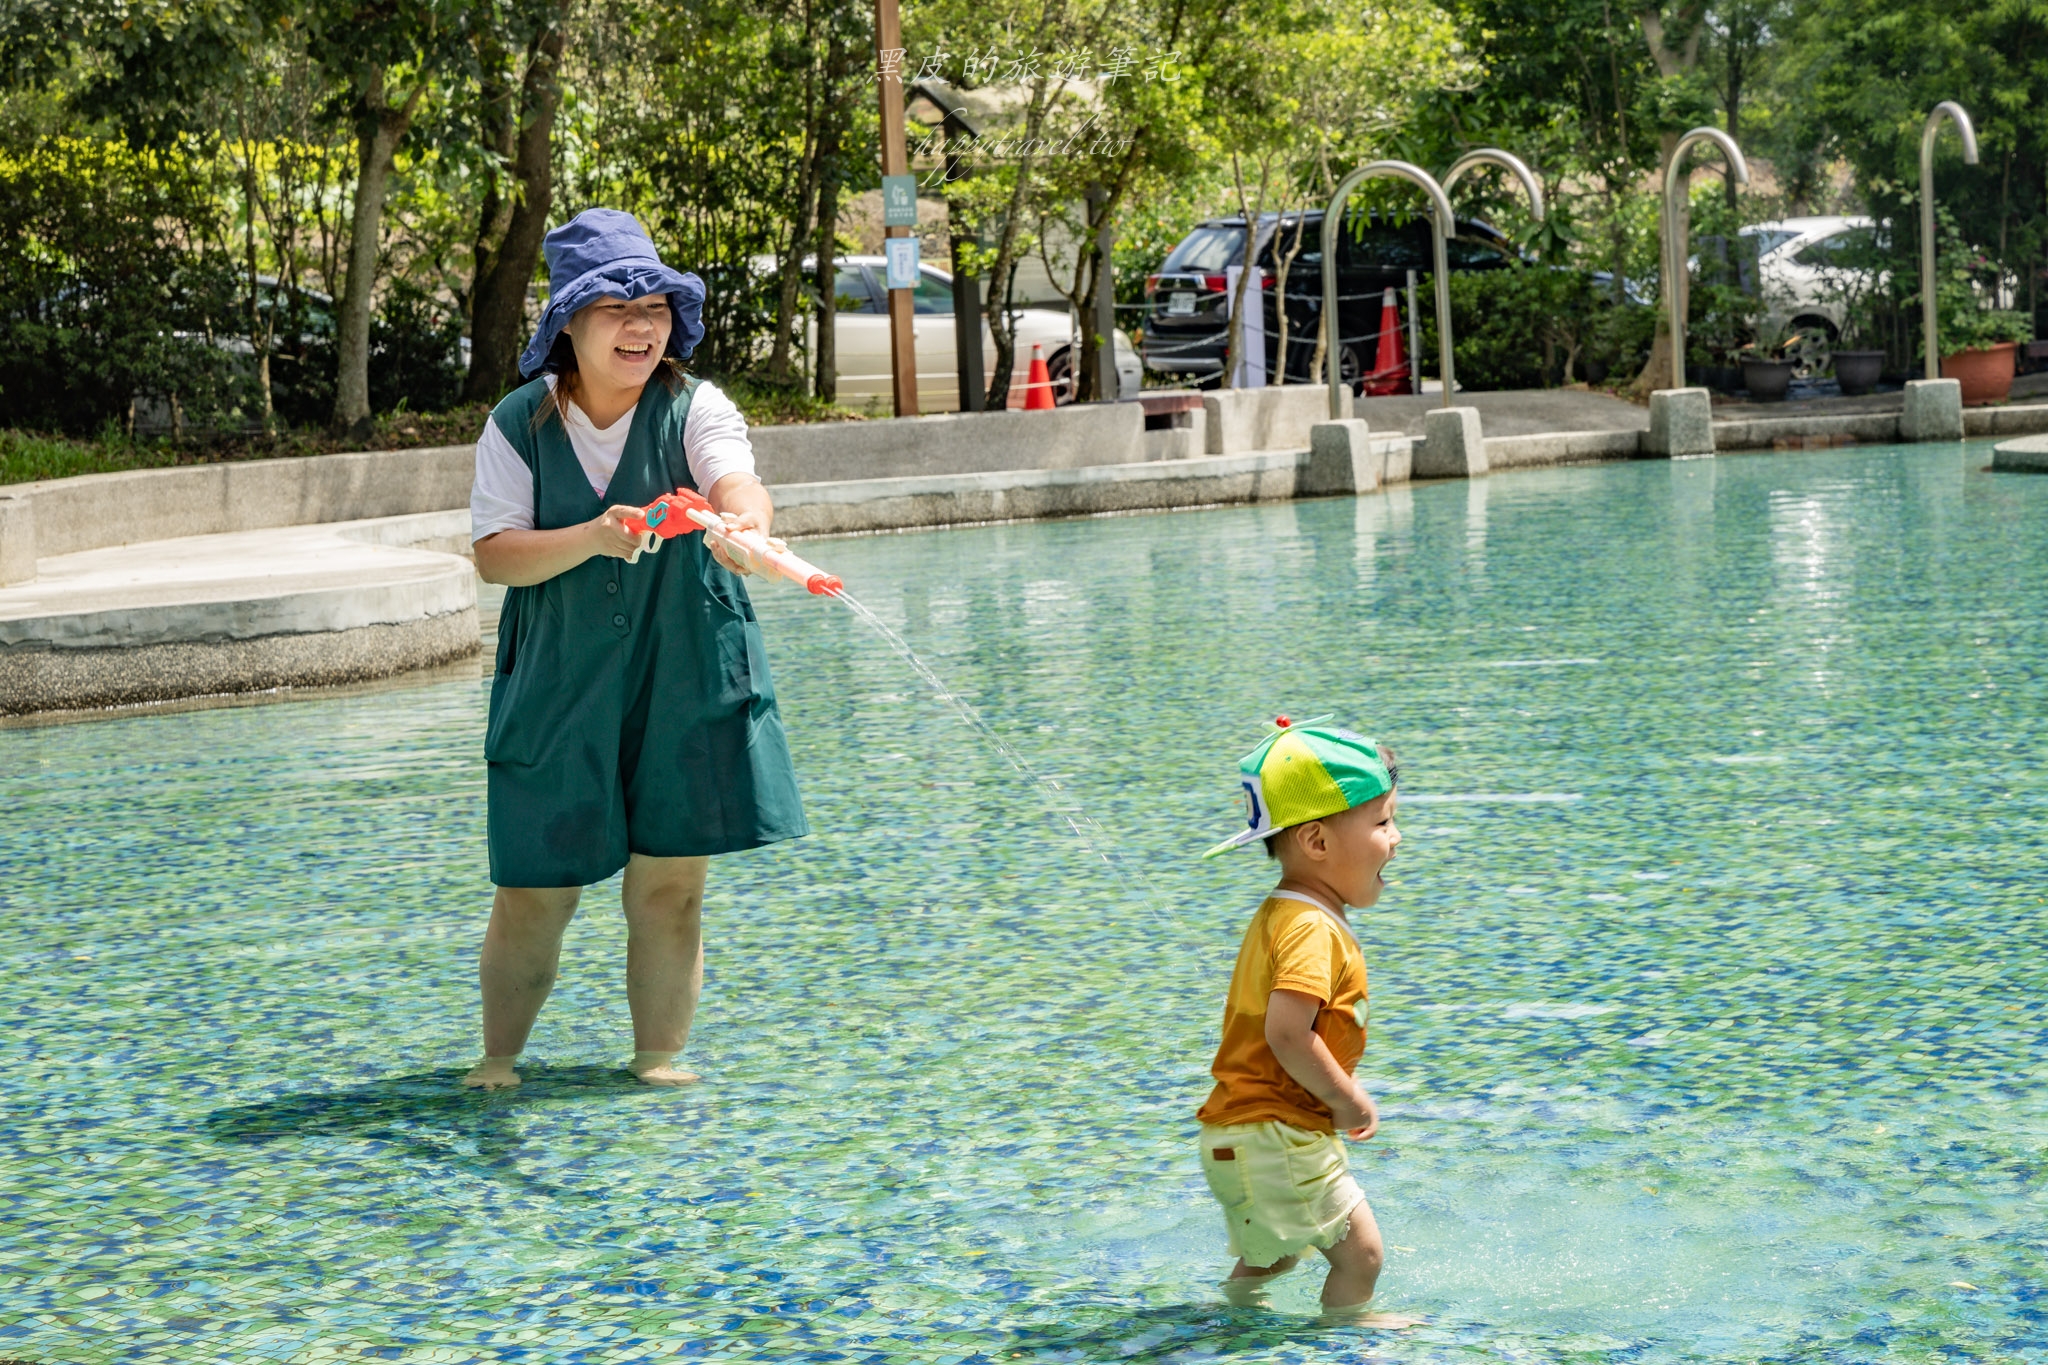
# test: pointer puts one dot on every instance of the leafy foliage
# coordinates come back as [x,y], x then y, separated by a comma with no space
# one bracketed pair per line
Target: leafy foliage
[1538,326]
[112,290]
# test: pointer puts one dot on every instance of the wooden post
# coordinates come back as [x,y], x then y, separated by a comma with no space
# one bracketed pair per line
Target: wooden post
[896,161]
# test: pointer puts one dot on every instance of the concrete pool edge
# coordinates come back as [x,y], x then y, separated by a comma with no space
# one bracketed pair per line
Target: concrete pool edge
[2028,455]
[38,680]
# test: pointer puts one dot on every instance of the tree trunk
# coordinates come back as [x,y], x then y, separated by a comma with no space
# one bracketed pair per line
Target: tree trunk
[1003,273]
[1283,265]
[825,364]
[780,370]
[1734,107]
[379,128]
[1234,336]
[1103,210]
[1674,41]
[259,335]
[514,221]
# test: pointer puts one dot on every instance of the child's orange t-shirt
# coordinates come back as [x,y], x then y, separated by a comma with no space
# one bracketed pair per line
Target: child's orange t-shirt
[1292,944]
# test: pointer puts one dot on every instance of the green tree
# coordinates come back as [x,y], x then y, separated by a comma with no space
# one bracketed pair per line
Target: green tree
[386,55]
[1872,69]
[517,46]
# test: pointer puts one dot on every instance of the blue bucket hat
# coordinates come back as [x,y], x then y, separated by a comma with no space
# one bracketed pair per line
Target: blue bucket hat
[605,253]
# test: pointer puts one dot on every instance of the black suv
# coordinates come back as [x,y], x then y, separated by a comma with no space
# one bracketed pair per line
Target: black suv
[1187,319]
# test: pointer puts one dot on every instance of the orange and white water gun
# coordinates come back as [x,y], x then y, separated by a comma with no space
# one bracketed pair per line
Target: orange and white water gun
[685,510]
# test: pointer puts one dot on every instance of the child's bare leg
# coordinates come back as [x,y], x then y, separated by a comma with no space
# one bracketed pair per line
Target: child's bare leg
[1246,1286]
[517,970]
[664,900]
[1241,1271]
[1355,1262]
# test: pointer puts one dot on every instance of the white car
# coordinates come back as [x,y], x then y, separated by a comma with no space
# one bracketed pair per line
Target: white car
[1797,259]
[861,338]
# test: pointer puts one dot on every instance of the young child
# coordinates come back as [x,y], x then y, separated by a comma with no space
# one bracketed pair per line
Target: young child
[1323,800]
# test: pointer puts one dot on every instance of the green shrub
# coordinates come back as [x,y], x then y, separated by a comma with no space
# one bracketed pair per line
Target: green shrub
[110,294]
[1530,327]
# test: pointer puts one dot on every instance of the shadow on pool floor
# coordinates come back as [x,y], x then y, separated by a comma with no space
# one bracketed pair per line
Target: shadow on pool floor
[429,1114]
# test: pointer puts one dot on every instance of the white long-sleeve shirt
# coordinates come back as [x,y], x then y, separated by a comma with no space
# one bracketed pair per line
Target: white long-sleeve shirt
[501,499]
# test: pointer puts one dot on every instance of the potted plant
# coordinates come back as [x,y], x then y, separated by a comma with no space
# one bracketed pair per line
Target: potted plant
[1979,345]
[1858,365]
[1765,371]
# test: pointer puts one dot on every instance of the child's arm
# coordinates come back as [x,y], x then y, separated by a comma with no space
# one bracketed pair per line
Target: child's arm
[1291,1033]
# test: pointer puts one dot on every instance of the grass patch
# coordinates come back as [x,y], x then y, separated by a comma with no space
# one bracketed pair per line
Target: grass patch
[765,405]
[25,457]
[28,456]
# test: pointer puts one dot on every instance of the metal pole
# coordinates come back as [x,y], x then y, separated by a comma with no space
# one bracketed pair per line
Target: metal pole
[1507,161]
[1333,218]
[1675,231]
[1949,109]
[1414,340]
[1472,160]
[1106,383]
[896,161]
[1440,243]
[967,330]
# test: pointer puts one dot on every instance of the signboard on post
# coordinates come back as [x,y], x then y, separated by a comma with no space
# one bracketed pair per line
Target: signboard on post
[902,262]
[899,201]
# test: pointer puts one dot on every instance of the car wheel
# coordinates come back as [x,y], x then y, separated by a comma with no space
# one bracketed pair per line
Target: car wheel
[1811,347]
[1059,367]
[1350,369]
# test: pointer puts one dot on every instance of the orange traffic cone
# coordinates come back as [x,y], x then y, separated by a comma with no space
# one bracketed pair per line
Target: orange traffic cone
[1038,383]
[1390,366]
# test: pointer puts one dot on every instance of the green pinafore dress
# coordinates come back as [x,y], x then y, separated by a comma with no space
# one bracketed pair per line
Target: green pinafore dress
[632,710]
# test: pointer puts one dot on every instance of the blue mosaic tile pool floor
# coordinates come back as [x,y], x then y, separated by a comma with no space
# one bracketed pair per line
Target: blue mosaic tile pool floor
[1724,1043]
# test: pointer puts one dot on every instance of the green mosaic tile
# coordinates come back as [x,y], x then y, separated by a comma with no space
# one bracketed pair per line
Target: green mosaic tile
[1709,1003]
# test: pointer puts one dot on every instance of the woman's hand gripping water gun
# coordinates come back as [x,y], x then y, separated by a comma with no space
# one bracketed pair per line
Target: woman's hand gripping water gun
[685,510]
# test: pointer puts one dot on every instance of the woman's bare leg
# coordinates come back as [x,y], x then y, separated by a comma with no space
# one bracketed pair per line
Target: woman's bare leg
[664,902]
[517,970]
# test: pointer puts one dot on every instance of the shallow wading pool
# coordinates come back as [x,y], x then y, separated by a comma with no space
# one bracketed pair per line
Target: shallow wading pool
[1710,1005]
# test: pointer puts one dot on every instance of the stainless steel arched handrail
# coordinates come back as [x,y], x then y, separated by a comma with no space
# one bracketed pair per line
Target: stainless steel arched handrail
[1507,161]
[1677,218]
[1951,110]
[1333,219]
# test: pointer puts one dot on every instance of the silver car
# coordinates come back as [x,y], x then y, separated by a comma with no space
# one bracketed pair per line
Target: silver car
[861,341]
[1800,262]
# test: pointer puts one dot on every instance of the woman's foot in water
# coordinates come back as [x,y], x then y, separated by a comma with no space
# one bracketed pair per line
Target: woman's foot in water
[492,1073]
[659,1068]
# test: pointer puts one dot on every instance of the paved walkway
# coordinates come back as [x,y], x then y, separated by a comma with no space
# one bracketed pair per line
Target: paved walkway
[1521,412]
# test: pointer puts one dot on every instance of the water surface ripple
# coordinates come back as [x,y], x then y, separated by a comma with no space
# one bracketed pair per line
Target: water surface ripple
[1709,1006]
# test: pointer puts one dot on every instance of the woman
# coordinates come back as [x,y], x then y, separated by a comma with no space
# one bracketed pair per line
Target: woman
[632,720]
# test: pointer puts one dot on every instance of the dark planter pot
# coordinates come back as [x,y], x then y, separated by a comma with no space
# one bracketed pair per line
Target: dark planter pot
[1767,380]
[1720,378]
[1858,371]
[1986,375]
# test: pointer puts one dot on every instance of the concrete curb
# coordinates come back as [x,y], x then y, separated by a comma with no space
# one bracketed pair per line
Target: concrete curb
[1562,447]
[2026,456]
[837,508]
[96,510]
[58,679]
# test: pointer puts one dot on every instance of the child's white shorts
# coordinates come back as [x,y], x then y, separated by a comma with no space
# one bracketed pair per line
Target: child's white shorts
[1283,1189]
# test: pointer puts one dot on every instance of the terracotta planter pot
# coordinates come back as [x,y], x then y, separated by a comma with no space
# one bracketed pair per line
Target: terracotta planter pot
[1767,380]
[1858,371]
[1986,375]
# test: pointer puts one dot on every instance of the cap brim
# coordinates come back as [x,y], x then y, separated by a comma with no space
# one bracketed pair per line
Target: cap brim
[1239,840]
